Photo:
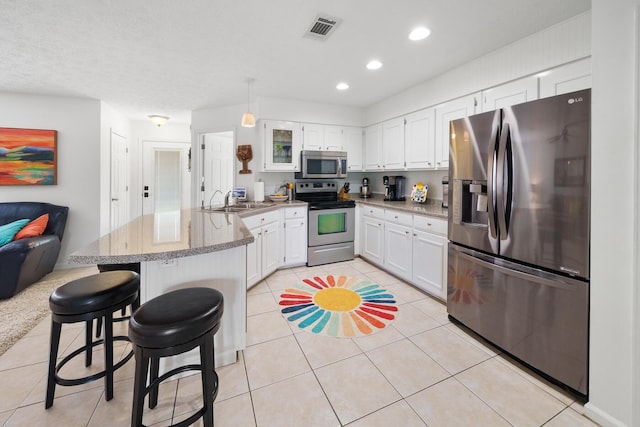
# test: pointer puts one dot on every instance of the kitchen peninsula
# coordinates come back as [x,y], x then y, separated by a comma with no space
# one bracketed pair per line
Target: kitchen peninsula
[180,249]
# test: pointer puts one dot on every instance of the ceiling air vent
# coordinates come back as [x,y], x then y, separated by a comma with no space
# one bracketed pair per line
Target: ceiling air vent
[322,27]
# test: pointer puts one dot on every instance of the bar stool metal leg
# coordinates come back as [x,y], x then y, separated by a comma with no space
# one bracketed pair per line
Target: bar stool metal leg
[88,340]
[153,393]
[209,380]
[108,355]
[140,384]
[56,328]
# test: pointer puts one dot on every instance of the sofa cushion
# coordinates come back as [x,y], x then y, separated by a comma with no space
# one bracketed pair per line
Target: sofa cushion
[8,231]
[34,228]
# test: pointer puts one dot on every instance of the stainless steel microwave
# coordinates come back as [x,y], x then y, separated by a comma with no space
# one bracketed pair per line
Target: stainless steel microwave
[322,164]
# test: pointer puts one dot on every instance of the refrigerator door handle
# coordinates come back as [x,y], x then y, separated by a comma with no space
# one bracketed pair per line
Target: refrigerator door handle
[519,271]
[500,180]
[491,182]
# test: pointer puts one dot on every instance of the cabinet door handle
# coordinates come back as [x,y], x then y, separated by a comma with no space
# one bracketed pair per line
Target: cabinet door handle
[415,235]
[406,232]
[396,216]
[429,224]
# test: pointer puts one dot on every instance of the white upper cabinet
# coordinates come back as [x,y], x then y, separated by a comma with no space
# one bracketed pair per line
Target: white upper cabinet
[419,139]
[515,92]
[353,147]
[333,138]
[282,145]
[373,147]
[322,137]
[452,110]
[393,144]
[312,137]
[567,78]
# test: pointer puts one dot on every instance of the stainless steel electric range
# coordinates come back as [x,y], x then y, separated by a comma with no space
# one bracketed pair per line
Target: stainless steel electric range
[331,222]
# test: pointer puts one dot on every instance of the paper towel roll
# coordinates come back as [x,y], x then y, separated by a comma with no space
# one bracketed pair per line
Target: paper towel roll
[258,191]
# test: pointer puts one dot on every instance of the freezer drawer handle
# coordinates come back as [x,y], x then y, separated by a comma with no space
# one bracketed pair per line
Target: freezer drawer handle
[520,274]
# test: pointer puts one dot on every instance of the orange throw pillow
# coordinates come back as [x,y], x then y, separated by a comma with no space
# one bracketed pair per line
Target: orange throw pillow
[34,228]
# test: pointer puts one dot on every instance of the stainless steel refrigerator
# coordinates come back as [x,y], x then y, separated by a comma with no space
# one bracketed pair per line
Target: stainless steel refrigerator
[518,273]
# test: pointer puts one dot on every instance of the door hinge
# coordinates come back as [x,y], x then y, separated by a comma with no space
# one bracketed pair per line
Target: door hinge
[475,101]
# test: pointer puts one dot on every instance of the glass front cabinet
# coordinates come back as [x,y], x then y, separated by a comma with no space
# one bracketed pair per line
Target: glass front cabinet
[282,145]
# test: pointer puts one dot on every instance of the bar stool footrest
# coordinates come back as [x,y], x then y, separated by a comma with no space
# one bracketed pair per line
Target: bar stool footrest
[77,381]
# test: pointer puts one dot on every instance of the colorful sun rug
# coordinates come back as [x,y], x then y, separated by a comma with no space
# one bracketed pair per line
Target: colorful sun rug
[338,306]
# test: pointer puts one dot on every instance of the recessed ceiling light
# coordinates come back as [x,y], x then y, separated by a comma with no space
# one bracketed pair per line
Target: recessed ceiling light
[419,33]
[374,65]
[342,86]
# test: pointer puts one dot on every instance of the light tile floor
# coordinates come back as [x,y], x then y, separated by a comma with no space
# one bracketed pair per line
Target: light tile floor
[422,370]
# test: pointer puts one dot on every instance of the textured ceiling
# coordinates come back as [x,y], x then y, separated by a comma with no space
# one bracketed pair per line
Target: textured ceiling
[170,56]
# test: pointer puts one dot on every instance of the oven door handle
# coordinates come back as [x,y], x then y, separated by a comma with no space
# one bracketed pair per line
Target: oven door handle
[325,208]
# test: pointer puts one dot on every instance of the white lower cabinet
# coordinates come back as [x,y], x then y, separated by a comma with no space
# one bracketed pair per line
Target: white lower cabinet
[412,247]
[397,238]
[372,238]
[430,255]
[295,236]
[263,255]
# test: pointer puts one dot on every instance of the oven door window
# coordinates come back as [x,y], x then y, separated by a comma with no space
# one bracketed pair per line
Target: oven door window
[322,166]
[332,223]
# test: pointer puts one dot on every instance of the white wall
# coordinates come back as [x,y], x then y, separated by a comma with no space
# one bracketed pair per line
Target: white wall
[564,42]
[145,130]
[78,124]
[614,189]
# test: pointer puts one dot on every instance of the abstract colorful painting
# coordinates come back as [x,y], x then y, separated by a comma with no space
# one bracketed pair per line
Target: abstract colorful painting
[338,306]
[28,156]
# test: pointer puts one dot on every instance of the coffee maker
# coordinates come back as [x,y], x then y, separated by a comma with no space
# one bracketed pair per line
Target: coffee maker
[394,188]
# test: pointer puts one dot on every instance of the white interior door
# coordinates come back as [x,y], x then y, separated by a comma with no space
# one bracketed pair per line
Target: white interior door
[166,182]
[218,163]
[119,182]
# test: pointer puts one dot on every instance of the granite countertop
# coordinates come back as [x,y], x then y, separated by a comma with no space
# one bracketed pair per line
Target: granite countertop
[174,234]
[430,208]
[166,236]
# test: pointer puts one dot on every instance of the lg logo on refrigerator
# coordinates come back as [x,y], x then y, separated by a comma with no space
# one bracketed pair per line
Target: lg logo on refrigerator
[572,100]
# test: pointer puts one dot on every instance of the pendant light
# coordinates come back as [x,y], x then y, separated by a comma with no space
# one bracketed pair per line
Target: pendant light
[248,120]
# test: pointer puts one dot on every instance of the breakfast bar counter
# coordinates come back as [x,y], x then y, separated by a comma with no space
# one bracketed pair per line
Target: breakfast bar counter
[180,249]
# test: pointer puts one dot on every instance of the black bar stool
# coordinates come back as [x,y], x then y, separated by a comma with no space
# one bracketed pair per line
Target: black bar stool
[83,300]
[171,324]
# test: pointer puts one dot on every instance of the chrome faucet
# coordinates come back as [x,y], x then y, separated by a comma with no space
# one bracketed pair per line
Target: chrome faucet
[214,195]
